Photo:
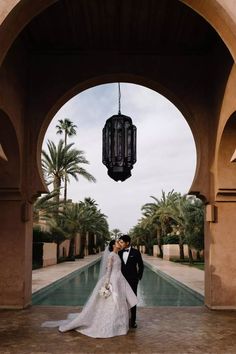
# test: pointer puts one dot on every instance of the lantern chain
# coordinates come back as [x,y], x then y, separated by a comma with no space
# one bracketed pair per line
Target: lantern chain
[119,99]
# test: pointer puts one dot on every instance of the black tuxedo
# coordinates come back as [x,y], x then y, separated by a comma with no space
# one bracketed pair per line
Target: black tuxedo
[132,271]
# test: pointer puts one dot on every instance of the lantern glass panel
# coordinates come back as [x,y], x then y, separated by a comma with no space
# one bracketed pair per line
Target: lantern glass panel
[119,146]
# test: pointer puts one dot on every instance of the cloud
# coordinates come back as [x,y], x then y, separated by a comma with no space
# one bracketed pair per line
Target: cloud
[165,148]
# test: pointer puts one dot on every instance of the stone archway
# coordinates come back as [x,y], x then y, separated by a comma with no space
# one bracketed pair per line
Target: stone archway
[41,68]
[13,231]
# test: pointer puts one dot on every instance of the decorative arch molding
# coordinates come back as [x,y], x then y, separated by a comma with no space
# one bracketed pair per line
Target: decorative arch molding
[226,169]
[9,167]
[221,15]
[16,14]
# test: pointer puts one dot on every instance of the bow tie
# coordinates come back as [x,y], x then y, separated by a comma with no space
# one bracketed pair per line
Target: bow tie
[126,250]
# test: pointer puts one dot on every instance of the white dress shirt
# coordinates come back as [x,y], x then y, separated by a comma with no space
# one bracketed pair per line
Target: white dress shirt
[126,255]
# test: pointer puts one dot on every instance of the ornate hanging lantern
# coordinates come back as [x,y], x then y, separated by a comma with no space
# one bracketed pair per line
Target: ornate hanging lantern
[119,145]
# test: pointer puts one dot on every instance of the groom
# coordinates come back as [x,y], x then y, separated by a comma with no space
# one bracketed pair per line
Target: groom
[131,268]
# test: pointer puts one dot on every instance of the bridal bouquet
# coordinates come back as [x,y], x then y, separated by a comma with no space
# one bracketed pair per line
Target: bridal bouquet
[105,291]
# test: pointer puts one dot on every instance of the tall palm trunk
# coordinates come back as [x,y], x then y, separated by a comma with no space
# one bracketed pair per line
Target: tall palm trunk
[159,242]
[58,250]
[71,254]
[198,255]
[65,189]
[190,255]
[82,243]
[65,184]
[56,199]
[181,248]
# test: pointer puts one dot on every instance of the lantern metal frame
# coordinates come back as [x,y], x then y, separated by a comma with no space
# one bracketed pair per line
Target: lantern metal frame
[119,146]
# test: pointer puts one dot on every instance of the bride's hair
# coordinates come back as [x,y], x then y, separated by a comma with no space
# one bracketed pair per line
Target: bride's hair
[111,244]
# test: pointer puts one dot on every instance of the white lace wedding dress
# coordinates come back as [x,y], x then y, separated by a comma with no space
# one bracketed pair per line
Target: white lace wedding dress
[103,317]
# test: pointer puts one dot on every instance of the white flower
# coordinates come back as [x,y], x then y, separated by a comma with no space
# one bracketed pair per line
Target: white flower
[105,292]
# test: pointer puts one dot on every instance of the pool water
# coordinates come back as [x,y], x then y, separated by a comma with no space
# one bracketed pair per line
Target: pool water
[154,290]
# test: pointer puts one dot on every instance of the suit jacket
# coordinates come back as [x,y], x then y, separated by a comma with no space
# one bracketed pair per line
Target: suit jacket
[133,269]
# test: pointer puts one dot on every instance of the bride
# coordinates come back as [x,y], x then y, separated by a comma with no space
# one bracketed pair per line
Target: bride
[106,314]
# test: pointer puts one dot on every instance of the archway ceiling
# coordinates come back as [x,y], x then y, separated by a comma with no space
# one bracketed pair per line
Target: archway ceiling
[165,27]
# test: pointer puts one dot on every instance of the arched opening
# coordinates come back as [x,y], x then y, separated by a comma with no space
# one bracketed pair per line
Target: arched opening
[226,168]
[9,156]
[166,149]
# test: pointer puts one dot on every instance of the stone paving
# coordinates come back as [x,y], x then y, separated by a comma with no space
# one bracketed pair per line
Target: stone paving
[161,330]
[45,276]
[191,277]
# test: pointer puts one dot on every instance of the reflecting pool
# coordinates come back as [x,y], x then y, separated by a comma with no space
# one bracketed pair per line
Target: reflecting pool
[154,290]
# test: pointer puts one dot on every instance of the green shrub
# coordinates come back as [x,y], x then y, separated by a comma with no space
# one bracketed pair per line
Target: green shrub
[41,236]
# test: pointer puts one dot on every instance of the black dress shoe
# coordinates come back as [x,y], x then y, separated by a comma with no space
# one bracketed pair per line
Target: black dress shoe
[134,325]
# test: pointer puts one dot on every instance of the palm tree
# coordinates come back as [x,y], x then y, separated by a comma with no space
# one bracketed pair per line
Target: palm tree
[82,218]
[45,206]
[91,220]
[186,216]
[195,226]
[63,158]
[67,127]
[150,219]
[189,214]
[159,214]
[69,130]
[71,225]
[115,233]
[143,234]
[174,214]
[57,230]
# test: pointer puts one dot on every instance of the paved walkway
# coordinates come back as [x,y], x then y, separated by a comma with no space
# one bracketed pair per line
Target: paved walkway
[161,330]
[45,276]
[191,277]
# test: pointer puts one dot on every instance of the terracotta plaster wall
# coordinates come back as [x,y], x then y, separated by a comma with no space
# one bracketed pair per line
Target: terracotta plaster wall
[5,8]
[16,264]
[220,242]
[220,275]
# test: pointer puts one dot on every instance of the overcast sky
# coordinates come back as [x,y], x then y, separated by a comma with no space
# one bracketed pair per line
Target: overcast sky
[166,154]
